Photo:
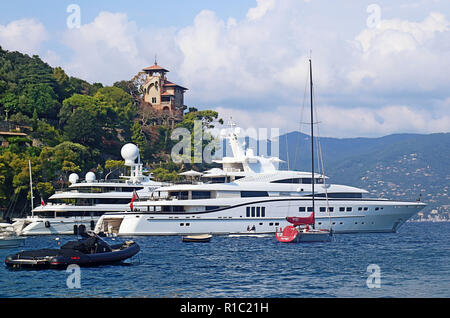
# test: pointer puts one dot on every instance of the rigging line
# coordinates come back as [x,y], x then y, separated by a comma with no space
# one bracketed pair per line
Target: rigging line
[287,151]
[301,120]
[322,167]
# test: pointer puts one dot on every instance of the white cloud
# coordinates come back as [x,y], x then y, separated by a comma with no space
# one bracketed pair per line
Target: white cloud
[403,55]
[105,49]
[371,77]
[25,35]
[261,9]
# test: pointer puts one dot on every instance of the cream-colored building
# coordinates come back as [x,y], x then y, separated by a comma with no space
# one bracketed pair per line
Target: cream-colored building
[164,96]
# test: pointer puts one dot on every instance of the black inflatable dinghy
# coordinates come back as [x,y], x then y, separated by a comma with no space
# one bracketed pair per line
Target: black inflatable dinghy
[89,251]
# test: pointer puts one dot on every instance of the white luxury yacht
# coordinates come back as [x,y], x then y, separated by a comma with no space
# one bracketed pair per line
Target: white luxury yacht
[253,196]
[85,201]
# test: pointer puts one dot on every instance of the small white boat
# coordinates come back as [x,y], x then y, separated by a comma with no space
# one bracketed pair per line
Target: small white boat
[202,238]
[8,236]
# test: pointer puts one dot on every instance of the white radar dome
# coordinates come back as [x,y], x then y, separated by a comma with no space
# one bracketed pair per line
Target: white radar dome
[73,178]
[129,153]
[90,177]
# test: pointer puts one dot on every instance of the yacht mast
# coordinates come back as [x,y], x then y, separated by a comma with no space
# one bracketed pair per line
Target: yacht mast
[31,188]
[312,135]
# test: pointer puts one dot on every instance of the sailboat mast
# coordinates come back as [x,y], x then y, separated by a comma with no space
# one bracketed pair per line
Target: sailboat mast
[312,134]
[31,188]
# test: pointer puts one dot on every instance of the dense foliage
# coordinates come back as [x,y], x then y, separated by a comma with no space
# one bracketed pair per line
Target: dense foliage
[72,126]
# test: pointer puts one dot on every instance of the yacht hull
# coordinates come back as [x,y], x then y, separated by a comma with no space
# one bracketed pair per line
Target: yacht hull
[56,226]
[388,217]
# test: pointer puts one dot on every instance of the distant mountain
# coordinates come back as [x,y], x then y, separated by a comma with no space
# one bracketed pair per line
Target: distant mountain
[400,166]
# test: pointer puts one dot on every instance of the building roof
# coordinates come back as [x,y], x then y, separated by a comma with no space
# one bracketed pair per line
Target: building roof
[12,133]
[170,84]
[155,68]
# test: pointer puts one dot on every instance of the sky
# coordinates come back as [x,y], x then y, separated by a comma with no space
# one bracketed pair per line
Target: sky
[379,67]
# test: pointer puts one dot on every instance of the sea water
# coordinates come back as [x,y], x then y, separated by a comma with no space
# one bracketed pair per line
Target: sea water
[414,262]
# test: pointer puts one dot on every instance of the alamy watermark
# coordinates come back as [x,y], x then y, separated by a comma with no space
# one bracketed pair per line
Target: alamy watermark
[374,19]
[74,279]
[374,279]
[200,147]
[74,19]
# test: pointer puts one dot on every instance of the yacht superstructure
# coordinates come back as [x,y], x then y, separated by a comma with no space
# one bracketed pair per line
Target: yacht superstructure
[83,202]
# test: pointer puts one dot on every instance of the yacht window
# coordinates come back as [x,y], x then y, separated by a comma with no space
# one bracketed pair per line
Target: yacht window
[322,209]
[248,194]
[301,209]
[209,208]
[366,208]
[359,208]
[349,209]
[174,208]
[253,211]
[341,209]
[290,180]
[376,209]
[310,209]
[331,209]
[201,195]
[180,195]
[263,211]
[248,212]
[258,212]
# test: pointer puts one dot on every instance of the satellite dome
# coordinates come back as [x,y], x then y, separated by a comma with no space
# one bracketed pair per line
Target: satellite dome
[129,153]
[73,178]
[90,177]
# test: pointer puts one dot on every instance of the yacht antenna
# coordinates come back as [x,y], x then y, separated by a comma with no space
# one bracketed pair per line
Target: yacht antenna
[312,135]
[31,188]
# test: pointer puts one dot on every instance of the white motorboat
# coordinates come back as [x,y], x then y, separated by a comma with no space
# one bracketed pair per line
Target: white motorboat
[85,201]
[9,237]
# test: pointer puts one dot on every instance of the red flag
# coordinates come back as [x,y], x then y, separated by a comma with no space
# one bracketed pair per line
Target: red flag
[42,202]
[135,196]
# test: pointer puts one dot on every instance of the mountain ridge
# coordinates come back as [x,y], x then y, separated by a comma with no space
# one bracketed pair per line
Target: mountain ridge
[399,166]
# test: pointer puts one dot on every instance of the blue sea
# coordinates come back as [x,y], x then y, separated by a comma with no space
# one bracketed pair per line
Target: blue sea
[415,262]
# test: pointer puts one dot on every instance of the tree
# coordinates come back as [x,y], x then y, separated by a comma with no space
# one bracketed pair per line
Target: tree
[63,89]
[71,104]
[82,127]
[39,97]
[112,165]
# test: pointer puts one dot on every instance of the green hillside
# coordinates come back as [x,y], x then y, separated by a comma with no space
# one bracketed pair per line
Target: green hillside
[63,124]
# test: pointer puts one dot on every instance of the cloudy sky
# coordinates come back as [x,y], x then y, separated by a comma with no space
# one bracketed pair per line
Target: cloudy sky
[380,67]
